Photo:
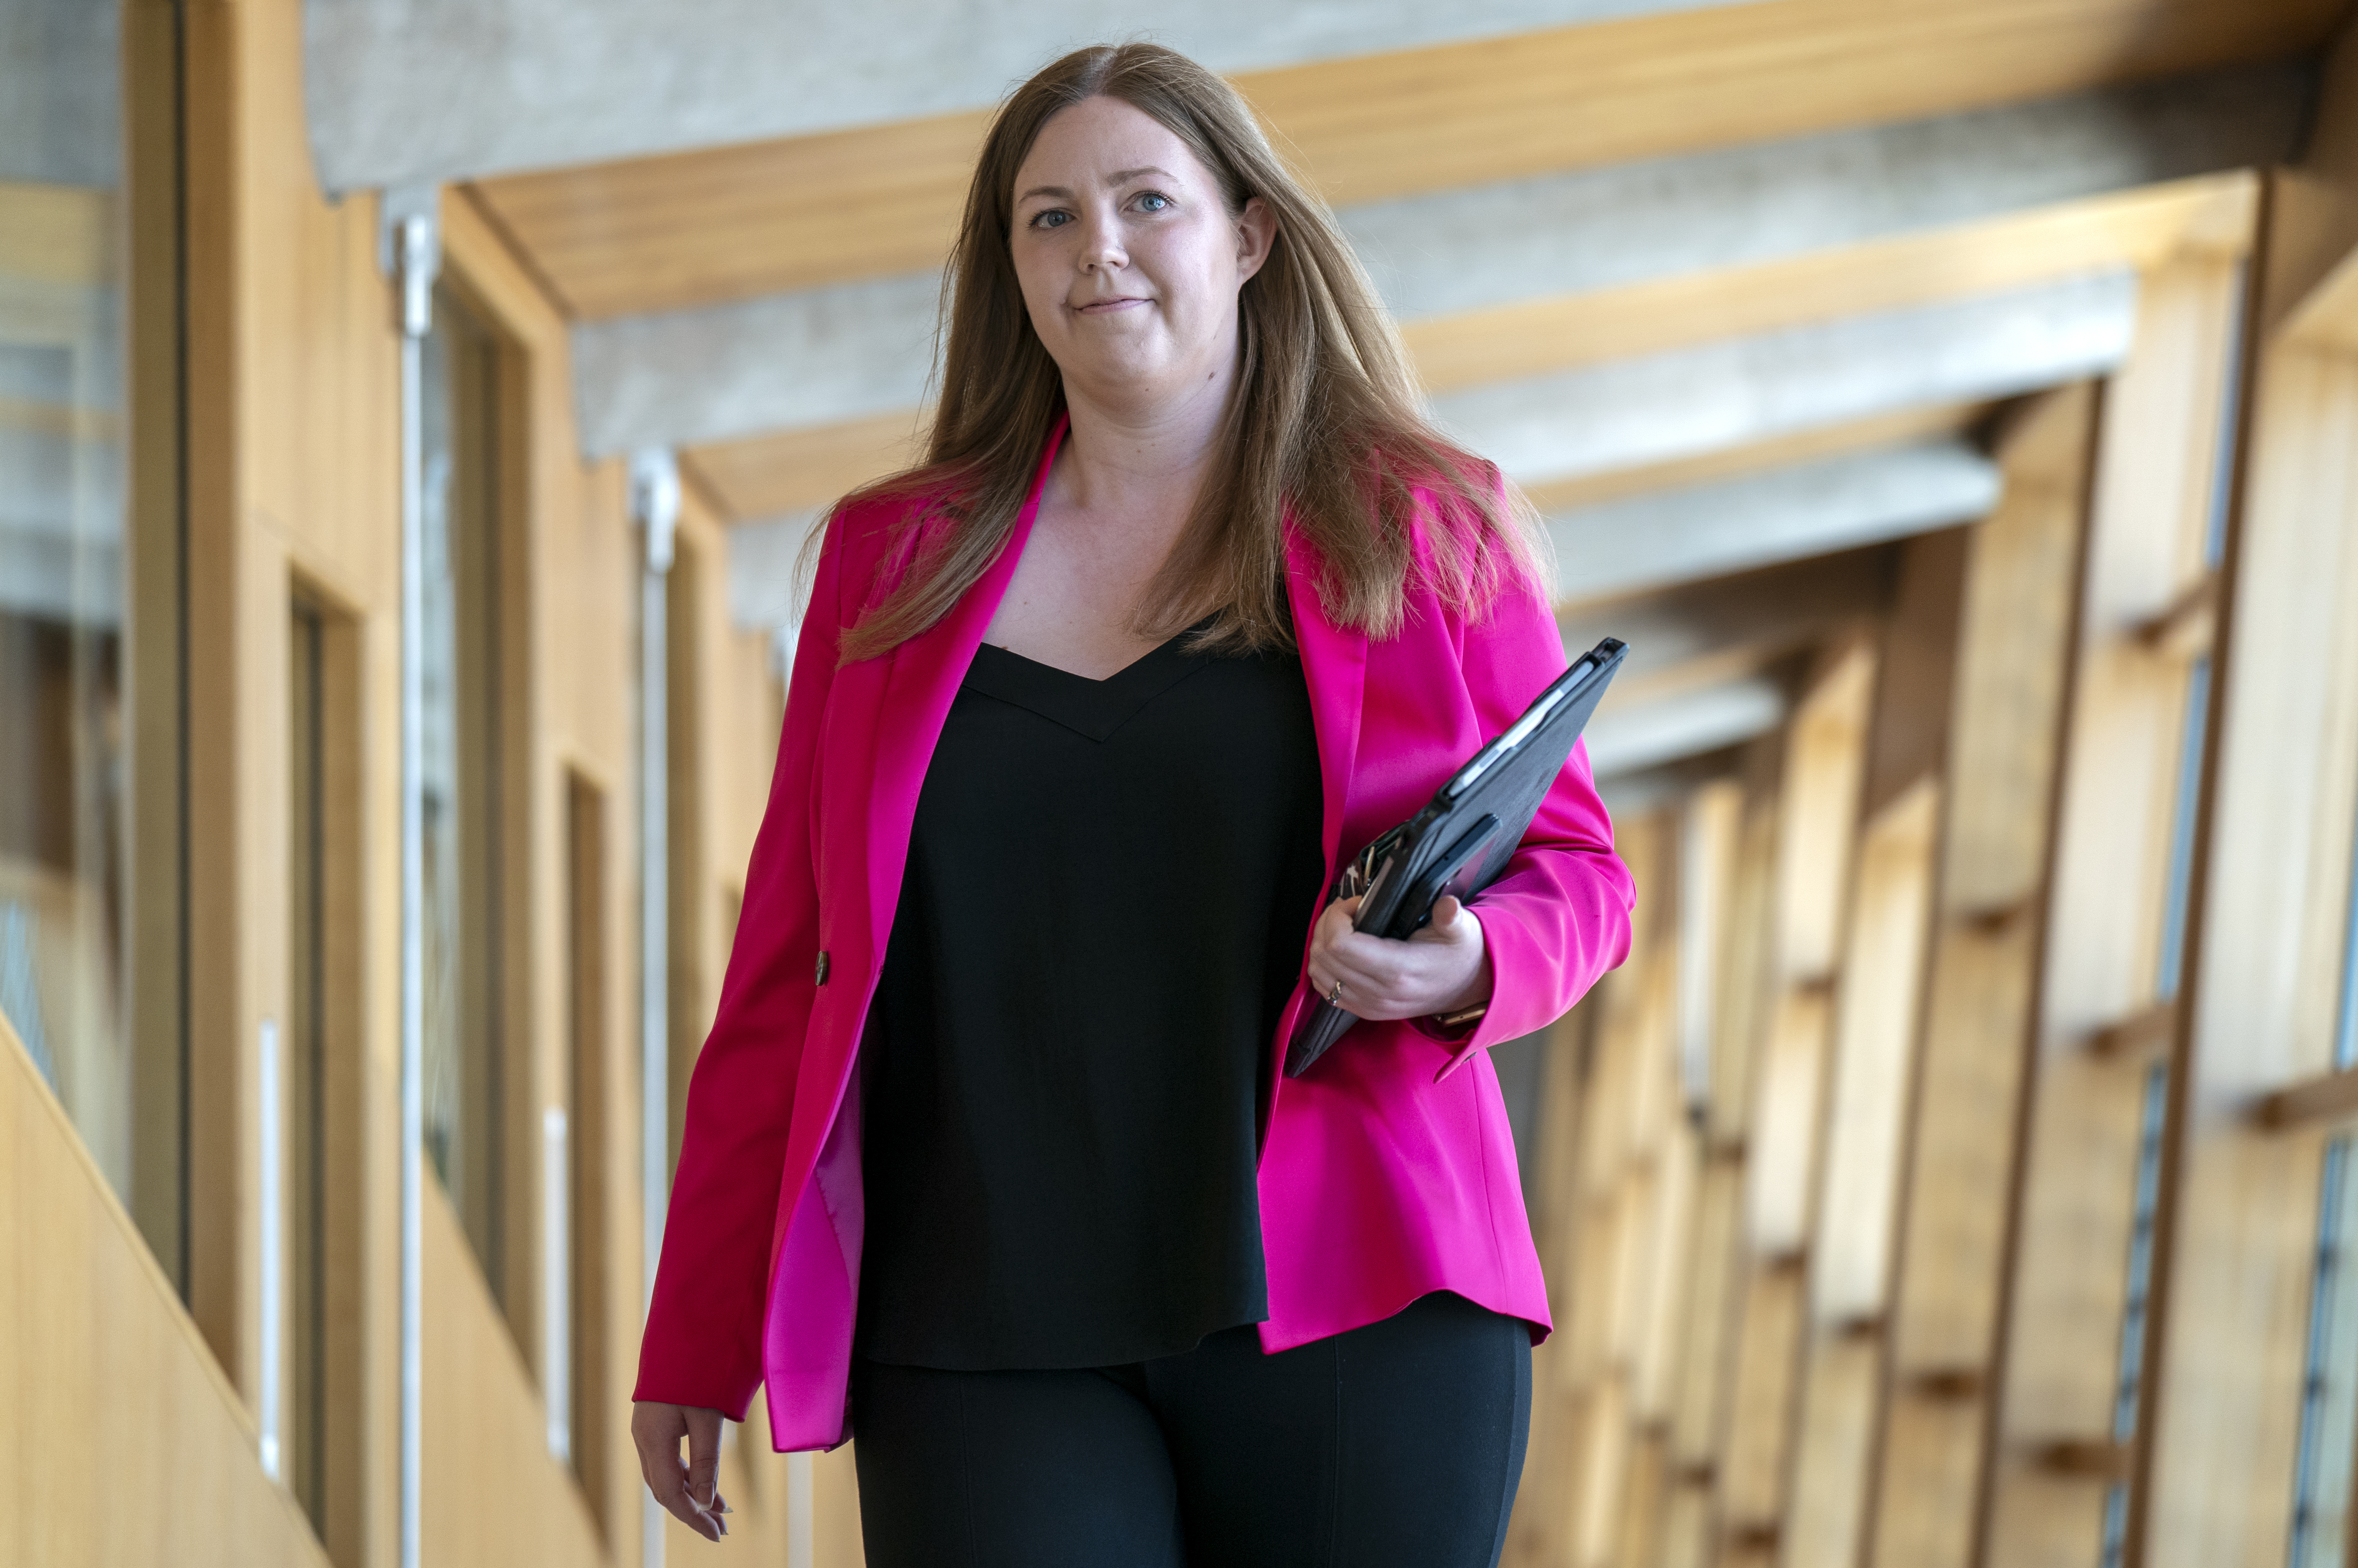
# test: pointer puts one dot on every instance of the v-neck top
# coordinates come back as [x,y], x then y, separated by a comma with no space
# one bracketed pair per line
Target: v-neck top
[1108,887]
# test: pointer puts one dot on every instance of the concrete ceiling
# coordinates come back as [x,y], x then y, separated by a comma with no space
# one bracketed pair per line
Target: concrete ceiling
[664,233]
[855,350]
[1730,288]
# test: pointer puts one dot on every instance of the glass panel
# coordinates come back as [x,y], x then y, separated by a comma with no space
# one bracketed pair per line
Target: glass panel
[689,996]
[2329,1382]
[586,1099]
[305,1454]
[2179,874]
[461,760]
[2231,413]
[2345,1025]
[2129,1369]
[63,481]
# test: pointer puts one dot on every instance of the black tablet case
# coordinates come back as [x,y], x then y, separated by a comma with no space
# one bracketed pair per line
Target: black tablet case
[1463,837]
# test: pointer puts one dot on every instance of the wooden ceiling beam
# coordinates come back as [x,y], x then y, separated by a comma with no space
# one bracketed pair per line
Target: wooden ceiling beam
[696,228]
[769,477]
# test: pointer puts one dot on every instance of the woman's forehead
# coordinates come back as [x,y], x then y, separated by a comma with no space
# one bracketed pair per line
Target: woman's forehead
[1104,141]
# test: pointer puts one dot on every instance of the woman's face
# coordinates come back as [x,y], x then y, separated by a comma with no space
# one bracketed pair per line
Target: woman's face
[1129,258]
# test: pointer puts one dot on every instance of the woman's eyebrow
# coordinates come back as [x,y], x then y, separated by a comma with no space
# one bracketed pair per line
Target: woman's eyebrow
[1119,177]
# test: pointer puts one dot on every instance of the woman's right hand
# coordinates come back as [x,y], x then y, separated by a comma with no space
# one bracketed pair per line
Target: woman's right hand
[691,1491]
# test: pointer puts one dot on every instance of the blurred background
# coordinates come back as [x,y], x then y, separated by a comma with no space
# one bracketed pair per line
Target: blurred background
[1954,405]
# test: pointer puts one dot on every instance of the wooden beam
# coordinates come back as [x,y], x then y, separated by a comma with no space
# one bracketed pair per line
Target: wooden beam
[2137,1037]
[1948,1385]
[2328,316]
[2315,225]
[692,228]
[2191,623]
[1998,919]
[2328,1099]
[2087,1459]
[796,470]
[1499,108]
[659,234]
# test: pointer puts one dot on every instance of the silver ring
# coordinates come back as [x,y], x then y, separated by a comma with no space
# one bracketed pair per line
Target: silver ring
[1337,994]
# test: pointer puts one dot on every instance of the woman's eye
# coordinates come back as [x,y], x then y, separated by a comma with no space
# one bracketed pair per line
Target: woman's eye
[1053,218]
[1154,202]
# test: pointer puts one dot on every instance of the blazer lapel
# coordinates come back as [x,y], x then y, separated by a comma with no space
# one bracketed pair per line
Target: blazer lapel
[922,684]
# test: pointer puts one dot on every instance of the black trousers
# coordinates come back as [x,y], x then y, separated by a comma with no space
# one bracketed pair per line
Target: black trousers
[1399,1444]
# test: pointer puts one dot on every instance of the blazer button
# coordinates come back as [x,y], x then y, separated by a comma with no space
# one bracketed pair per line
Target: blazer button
[818,970]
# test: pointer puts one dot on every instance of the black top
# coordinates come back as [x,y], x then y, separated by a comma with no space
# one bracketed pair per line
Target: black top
[1108,887]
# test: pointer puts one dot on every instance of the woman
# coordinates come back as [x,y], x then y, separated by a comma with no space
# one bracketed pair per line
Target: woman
[1188,604]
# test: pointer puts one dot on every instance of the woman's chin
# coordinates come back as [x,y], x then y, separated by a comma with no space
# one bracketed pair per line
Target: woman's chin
[1125,373]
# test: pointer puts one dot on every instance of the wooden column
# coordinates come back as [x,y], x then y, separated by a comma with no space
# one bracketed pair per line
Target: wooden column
[2053,1455]
[2271,972]
[1872,1070]
[2012,645]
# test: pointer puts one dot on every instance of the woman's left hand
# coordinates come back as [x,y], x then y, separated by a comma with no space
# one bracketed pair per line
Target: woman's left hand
[1442,969]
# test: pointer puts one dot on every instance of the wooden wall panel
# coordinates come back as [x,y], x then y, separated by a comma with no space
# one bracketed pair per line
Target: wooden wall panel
[124,1442]
[492,1491]
[294,480]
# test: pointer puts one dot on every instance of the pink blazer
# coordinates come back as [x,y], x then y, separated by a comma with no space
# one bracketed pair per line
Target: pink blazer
[1389,1169]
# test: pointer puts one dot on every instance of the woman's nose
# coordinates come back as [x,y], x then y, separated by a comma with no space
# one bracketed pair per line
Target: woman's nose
[1101,249]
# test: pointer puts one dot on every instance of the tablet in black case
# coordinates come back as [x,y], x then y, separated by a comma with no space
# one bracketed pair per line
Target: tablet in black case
[1463,837]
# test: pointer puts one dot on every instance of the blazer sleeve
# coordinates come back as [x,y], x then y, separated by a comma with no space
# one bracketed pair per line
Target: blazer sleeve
[703,1337]
[1557,917]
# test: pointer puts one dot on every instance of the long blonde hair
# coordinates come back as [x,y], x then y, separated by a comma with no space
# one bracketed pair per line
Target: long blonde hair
[1325,424]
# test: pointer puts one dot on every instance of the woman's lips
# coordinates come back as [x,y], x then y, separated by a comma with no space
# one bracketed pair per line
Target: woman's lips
[1106,306]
